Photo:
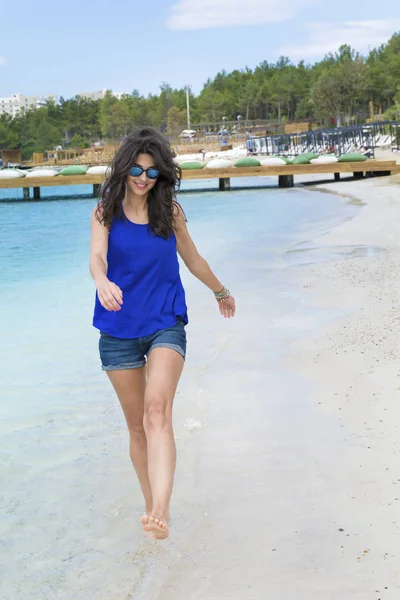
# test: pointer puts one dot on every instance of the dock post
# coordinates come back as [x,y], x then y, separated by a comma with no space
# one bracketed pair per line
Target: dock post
[36,193]
[286,181]
[337,176]
[26,193]
[224,183]
[358,175]
[96,190]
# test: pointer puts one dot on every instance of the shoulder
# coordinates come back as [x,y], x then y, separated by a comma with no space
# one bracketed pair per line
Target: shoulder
[98,212]
[97,218]
[178,214]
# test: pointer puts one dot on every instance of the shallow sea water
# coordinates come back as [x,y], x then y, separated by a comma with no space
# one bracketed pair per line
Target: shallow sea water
[69,502]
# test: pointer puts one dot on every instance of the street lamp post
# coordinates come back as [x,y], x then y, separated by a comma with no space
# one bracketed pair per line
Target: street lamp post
[188,105]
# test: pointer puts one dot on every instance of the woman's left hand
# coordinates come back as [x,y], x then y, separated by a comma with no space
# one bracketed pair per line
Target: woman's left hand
[227,307]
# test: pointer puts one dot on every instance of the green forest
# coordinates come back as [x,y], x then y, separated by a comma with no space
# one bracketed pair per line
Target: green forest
[340,86]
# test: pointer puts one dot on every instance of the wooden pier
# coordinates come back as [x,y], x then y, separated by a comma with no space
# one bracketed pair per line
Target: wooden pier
[285,174]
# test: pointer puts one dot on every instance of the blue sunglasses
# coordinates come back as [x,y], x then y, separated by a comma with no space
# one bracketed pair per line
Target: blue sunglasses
[151,173]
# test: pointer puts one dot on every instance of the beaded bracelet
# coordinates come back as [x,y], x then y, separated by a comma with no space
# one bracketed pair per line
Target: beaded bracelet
[223,295]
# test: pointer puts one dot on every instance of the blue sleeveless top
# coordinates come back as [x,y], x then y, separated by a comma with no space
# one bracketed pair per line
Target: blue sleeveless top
[146,268]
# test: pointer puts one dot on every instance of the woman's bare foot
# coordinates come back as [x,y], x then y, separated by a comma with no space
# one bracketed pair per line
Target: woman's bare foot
[144,519]
[145,516]
[156,528]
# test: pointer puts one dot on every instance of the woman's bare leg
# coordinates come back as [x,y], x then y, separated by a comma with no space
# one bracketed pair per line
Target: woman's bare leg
[164,368]
[130,385]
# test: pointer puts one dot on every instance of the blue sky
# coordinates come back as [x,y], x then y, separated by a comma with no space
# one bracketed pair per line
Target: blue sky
[79,46]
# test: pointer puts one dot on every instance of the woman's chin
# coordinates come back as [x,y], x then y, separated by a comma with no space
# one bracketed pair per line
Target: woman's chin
[139,190]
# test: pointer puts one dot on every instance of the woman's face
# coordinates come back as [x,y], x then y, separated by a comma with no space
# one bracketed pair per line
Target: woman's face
[142,184]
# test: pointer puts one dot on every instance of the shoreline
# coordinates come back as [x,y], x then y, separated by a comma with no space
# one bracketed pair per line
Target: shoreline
[328,528]
[270,499]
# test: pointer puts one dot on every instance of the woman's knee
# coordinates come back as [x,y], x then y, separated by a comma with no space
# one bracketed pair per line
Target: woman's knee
[136,429]
[157,412]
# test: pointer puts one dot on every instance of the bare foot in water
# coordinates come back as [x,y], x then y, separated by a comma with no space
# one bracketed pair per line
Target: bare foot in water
[156,528]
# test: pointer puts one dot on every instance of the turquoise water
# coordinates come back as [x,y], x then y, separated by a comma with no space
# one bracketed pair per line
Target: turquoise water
[69,500]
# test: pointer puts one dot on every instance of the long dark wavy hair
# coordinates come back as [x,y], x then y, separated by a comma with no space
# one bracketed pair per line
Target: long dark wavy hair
[146,140]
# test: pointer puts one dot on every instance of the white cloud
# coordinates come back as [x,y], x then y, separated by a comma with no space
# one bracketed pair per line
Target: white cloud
[2,60]
[207,14]
[326,37]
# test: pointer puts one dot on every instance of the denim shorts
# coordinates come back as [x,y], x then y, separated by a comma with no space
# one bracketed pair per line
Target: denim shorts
[117,354]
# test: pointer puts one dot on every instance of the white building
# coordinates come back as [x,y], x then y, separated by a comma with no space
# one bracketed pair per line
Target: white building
[12,105]
[100,95]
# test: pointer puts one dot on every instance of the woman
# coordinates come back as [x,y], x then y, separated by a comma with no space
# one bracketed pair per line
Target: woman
[137,230]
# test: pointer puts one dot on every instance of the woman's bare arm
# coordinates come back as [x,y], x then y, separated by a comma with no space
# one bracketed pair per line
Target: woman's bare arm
[110,295]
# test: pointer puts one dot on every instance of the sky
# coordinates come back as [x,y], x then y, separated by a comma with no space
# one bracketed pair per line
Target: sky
[67,48]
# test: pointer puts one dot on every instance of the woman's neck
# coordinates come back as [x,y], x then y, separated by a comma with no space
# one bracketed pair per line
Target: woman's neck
[136,205]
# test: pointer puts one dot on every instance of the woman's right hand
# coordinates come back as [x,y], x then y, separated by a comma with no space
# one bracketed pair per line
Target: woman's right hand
[110,295]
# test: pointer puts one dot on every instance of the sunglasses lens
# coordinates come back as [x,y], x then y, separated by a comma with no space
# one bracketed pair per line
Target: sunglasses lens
[153,173]
[136,171]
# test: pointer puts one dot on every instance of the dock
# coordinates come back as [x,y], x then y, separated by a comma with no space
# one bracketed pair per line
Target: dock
[285,174]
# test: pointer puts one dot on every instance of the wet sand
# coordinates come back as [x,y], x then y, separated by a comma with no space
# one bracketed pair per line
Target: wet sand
[297,487]
[285,419]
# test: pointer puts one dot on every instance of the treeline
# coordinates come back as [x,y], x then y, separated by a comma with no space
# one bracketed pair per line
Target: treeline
[340,86]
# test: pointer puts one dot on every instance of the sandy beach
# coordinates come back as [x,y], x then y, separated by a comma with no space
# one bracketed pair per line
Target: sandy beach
[287,484]
[313,514]
[276,128]
[355,372]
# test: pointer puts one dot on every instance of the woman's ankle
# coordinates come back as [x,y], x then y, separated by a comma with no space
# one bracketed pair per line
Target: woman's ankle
[161,513]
